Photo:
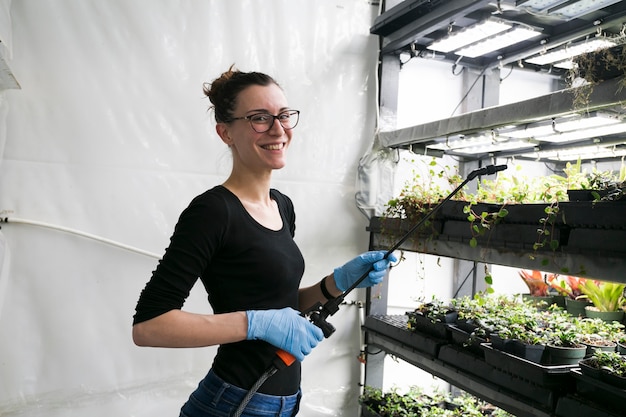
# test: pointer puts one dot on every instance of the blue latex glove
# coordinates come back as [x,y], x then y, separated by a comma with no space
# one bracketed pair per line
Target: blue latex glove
[347,274]
[286,329]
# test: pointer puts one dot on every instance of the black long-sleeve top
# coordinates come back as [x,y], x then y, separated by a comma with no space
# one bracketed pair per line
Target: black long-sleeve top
[243,266]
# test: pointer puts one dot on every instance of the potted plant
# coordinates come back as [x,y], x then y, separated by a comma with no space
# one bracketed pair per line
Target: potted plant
[599,334]
[609,367]
[599,185]
[607,299]
[538,285]
[569,287]
[432,318]
[414,403]
[564,345]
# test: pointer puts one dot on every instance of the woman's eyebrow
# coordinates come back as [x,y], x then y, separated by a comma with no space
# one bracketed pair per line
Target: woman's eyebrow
[282,109]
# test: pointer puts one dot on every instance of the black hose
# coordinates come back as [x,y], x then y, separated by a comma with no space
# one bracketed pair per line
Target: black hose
[271,371]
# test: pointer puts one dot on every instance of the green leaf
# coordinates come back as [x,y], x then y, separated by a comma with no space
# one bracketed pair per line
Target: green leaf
[554,244]
[489,279]
[473,242]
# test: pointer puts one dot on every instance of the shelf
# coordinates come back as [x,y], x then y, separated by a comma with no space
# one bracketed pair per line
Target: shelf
[517,385]
[596,250]
[488,390]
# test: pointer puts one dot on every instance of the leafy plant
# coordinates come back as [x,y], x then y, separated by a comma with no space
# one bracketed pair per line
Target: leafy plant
[567,285]
[423,190]
[605,295]
[417,404]
[537,283]
[611,362]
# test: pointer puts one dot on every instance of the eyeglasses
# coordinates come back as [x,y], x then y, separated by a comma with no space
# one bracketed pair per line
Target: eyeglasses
[262,122]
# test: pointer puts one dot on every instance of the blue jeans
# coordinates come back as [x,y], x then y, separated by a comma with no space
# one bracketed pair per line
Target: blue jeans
[216,398]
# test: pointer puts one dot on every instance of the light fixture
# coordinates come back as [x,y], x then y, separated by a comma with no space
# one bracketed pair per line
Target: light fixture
[469,35]
[552,129]
[594,132]
[576,8]
[464,142]
[560,57]
[484,37]
[495,147]
[512,36]
[480,144]
[566,9]
[579,152]
[538,6]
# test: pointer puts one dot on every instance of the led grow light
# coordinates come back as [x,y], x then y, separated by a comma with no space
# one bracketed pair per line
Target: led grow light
[555,130]
[469,35]
[576,8]
[465,142]
[514,35]
[580,152]
[570,51]
[495,147]
[538,6]
[585,133]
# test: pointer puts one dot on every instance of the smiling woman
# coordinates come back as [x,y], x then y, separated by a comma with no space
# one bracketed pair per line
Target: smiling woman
[238,239]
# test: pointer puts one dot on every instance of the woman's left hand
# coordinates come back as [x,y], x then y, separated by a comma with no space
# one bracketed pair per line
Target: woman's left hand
[346,275]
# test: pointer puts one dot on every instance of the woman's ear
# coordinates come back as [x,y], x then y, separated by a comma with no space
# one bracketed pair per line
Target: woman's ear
[222,131]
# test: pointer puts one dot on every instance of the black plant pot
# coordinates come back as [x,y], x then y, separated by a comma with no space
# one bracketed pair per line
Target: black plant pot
[560,355]
[533,353]
[437,326]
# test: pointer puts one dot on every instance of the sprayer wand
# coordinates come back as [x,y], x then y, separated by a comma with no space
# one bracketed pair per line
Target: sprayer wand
[319,313]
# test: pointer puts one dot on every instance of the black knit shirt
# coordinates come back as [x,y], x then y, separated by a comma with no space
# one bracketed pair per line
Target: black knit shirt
[243,266]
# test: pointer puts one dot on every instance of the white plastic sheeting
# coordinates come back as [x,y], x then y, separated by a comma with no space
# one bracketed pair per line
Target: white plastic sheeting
[110,135]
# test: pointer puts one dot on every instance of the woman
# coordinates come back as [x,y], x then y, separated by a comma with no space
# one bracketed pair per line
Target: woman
[238,239]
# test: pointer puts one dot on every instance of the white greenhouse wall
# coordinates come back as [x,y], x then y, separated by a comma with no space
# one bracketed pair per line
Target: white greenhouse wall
[110,135]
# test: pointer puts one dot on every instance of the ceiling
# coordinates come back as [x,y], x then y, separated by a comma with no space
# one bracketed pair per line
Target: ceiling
[413,25]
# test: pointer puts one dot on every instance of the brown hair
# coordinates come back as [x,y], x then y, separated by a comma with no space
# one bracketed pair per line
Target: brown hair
[224,90]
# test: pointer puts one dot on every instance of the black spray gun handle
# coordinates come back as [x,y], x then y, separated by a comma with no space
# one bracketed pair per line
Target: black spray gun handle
[319,313]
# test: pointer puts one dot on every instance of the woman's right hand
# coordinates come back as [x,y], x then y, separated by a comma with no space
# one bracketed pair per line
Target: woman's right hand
[286,329]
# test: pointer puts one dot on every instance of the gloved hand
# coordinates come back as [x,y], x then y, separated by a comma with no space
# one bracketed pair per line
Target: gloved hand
[347,274]
[286,329]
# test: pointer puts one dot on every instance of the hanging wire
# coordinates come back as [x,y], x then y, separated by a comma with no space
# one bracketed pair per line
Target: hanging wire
[509,74]
[468,91]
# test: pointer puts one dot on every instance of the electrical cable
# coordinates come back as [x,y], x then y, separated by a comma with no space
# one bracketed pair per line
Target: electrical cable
[468,91]
[456,293]
[78,233]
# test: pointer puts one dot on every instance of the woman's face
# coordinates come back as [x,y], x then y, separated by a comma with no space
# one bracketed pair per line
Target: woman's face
[258,151]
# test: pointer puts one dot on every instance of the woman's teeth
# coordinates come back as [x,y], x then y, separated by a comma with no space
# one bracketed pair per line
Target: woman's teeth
[273,147]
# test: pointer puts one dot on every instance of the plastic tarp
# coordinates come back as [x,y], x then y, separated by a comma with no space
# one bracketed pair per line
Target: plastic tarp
[110,135]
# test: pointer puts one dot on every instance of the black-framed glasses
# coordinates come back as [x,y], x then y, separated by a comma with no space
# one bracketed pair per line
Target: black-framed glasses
[262,122]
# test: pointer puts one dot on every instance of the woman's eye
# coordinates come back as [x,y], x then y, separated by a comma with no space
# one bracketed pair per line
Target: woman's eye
[260,118]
